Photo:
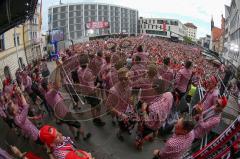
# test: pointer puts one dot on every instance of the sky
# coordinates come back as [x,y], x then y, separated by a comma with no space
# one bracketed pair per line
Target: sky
[198,12]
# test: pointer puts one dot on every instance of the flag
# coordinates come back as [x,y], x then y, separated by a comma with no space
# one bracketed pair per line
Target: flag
[164,26]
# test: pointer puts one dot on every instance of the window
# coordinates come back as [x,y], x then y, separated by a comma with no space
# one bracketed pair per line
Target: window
[92,13]
[71,14]
[72,35]
[159,21]
[71,27]
[153,21]
[71,8]
[79,7]
[71,21]
[63,9]
[93,6]
[78,13]
[78,27]
[16,40]
[2,43]
[156,32]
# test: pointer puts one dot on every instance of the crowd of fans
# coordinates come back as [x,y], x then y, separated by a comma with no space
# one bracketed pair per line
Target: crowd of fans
[138,81]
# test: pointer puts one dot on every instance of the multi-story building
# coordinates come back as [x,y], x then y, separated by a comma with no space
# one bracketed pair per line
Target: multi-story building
[162,27]
[32,37]
[74,20]
[205,41]
[217,35]
[232,33]
[191,31]
[20,46]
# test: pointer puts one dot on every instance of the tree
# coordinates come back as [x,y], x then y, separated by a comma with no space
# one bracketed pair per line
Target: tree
[187,40]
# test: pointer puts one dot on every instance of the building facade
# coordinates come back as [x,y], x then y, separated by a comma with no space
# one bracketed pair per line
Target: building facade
[72,19]
[191,31]
[217,35]
[19,46]
[205,41]
[232,33]
[162,27]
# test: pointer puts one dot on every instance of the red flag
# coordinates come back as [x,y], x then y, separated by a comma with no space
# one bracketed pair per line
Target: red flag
[164,26]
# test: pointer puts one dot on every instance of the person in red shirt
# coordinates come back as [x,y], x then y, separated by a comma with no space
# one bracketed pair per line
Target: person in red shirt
[180,142]
[183,78]
[61,147]
[141,54]
[155,113]
[120,104]
[88,90]
[166,73]
[209,118]
[211,95]
[145,84]
[138,70]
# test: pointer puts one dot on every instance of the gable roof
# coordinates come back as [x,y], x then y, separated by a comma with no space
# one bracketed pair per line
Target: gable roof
[217,33]
[190,25]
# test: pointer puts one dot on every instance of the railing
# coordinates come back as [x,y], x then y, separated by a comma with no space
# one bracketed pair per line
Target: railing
[225,137]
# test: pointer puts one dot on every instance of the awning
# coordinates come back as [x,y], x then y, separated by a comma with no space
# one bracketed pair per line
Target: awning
[15,12]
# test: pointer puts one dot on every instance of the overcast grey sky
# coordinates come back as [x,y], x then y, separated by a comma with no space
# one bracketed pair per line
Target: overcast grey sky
[198,12]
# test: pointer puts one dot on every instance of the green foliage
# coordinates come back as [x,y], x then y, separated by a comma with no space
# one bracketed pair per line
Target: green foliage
[187,40]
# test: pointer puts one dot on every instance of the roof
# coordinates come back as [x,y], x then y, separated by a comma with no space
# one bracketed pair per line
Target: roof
[217,33]
[227,11]
[94,3]
[13,13]
[190,25]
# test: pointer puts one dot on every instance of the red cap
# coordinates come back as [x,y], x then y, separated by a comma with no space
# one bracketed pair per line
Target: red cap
[47,134]
[79,154]
[223,101]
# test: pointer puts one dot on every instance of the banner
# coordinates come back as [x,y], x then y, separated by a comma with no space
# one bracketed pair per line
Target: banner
[97,25]
[221,144]
[164,26]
